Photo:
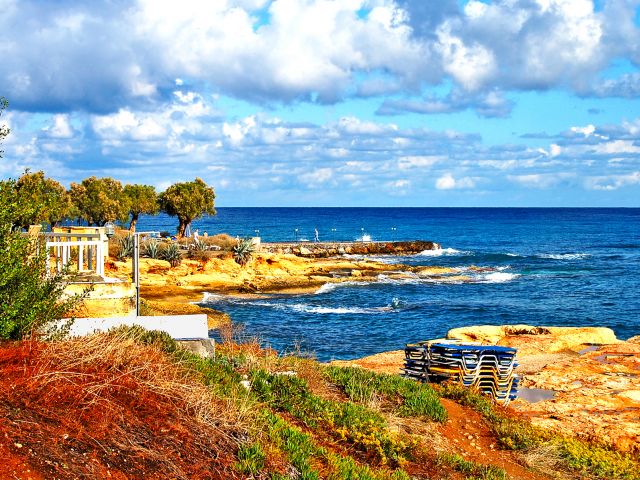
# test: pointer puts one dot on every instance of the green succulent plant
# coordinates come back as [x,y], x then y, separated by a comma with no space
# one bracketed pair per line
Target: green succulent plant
[151,249]
[243,251]
[171,254]
[125,247]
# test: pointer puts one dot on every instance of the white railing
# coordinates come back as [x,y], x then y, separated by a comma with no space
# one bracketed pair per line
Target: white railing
[81,252]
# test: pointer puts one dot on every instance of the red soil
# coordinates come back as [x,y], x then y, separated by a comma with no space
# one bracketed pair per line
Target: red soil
[95,422]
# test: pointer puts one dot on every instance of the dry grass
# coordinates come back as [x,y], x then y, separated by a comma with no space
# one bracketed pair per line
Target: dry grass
[222,240]
[149,415]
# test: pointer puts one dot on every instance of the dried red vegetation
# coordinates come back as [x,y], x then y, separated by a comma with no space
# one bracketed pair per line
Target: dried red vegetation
[107,409]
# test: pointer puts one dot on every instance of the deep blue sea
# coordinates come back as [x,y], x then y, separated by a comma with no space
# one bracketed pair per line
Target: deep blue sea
[564,266]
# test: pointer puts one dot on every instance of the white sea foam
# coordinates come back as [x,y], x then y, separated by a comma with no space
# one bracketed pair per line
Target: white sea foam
[438,252]
[329,287]
[211,297]
[498,277]
[565,256]
[364,238]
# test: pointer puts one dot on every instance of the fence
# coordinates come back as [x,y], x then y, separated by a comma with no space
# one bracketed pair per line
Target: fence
[81,252]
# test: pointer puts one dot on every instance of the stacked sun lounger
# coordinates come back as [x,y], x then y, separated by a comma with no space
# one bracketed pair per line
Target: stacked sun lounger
[489,368]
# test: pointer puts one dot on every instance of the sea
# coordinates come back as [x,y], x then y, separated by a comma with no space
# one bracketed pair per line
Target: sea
[549,266]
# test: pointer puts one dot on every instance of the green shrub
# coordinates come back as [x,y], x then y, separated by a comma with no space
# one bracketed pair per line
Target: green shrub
[251,458]
[473,470]
[31,299]
[243,251]
[125,247]
[417,399]
[171,253]
[151,249]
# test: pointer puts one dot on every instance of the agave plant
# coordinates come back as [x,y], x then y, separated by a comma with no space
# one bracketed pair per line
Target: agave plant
[200,245]
[125,247]
[151,249]
[243,251]
[171,254]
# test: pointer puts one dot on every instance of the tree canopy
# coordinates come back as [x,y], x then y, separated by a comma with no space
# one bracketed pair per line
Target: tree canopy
[4,130]
[100,200]
[49,200]
[141,199]
[188,201]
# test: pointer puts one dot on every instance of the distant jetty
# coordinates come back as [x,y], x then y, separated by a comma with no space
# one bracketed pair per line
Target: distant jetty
[331,249]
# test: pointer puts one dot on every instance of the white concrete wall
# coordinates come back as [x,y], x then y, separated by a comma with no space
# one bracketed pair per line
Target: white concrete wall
[178,326]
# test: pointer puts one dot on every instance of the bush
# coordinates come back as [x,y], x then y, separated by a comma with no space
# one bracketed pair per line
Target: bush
[125,247]
[224,241]
[151,249]
[30,299]
[243,251]
[171,253]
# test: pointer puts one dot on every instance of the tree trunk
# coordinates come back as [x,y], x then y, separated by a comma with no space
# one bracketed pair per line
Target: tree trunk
[134,220]
[182,227]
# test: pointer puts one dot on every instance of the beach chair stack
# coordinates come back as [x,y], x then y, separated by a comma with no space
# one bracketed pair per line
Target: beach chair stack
[488,368]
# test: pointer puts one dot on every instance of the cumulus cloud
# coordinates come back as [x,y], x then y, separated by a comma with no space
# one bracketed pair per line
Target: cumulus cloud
[448,182]
[613,182]
[101,57]
[486,104]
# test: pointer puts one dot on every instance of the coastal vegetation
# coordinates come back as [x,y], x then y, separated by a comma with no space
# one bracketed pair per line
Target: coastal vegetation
[96,201]
[30,298]
[140,405]
[140,199]
[187,201]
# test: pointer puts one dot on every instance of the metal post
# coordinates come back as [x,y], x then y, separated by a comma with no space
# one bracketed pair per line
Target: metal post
[136,270]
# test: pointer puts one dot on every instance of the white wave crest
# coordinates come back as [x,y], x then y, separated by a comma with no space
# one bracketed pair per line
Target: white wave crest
[211,297]
[364,238]
[565,256]
[329,287]
[498,277]
[438,252]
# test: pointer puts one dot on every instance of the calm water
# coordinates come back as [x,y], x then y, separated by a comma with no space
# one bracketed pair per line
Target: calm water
[555,267]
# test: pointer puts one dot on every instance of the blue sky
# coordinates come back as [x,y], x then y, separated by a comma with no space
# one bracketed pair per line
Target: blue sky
[331,103]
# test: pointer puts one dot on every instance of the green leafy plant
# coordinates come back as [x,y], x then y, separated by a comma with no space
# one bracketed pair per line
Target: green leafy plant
[243,251]
[251,458]
[171,253]
[31,298]
[125,247]
[416,399]
[151,249]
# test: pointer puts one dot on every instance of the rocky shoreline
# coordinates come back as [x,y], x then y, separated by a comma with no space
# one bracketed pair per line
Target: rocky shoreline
[591,379]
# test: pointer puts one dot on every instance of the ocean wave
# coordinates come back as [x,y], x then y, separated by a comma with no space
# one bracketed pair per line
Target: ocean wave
[364,238]
[498,277]
[438,252]
[329,287]
[564,256]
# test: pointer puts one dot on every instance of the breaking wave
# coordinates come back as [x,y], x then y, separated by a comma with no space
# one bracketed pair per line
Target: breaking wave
[438,252]
[565,256]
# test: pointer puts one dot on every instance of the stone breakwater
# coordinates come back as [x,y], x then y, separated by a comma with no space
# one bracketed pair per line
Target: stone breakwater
[332,249]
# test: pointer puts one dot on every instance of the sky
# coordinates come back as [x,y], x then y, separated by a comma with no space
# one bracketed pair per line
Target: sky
[330,103]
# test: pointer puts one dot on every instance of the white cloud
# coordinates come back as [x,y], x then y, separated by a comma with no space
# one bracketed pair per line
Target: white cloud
[448,182]
[617,146]
[418,161]
[61,127]
[316,177]
[125,124]
[613,182]
[536,180]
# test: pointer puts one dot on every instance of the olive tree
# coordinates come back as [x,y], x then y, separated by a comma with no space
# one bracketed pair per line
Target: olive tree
[50,201]
[188,201]
[141,199]
[99,200]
